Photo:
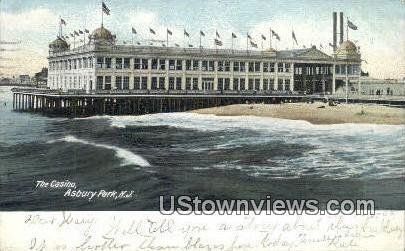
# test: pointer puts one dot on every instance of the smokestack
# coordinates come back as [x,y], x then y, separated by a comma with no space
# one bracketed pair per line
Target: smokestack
[341,28]
[334,31]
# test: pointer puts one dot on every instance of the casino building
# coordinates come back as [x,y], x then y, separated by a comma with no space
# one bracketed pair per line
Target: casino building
[102,65]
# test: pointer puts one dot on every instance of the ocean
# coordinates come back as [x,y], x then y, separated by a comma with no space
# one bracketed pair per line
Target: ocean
[214,157]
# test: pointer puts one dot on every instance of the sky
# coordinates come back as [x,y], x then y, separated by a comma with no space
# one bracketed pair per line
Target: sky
[35,23]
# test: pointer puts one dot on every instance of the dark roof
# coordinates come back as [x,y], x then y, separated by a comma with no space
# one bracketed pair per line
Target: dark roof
[292,53]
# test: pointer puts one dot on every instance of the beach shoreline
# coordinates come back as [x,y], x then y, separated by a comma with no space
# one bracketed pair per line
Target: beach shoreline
[315,113]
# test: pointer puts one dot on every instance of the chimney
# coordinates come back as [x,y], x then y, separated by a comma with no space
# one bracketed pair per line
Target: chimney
[341,28]
[334,31]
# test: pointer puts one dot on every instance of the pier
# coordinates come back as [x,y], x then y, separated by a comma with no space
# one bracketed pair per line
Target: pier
[82,104]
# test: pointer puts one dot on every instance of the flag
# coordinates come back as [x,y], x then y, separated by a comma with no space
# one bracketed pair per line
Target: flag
[177,45]
[133,30]
[190,45]
[163,45]
[294,38]
[351,25]
[304,47]
[186,33]
[218,42]
[233,35]
[217,34]
[275,35]
[169,32]
[76,33]
[202,33]
[86,31]
[152,31]
[263,37]
[320,46]
[138,43]
[124,42]
[331,45]
[254,45]
[106,10]
[62,21]
[248,36]
[71,34]
[81,32]
[66,37]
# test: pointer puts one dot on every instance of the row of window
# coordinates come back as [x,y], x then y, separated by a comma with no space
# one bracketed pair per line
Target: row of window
[351,69]
[192,83]
[191,65]
[71,64]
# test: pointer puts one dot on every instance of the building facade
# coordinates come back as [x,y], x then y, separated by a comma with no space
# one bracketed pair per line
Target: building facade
[101,64]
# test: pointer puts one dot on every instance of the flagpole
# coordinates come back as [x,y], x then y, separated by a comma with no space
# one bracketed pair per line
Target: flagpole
[347,29]
[270,36]
[247,43]
[232,43]
[167,38]
[200,40]
[102,16]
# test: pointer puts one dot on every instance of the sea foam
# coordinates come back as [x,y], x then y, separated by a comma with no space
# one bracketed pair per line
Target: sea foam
[128,157]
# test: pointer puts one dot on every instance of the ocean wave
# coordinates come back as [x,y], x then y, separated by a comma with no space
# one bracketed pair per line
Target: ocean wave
[128,157]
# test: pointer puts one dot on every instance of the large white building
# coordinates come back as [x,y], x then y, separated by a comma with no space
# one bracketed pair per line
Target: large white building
[102,64]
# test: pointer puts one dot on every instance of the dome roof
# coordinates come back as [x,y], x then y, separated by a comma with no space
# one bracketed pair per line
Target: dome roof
[271,50]
[347,47]
[101,33]
[59,43]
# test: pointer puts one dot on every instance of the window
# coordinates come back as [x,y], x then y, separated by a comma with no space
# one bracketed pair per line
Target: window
[251,67]
[99,85]
[125,85]
[211,66]
[118,83]
[221,66]
[188,83]
[280,85]
[242,84]
[154,64]
[179,65]
[162,83]
[172,64]
[162,64]
[271,84]
[265,84]
[137,64]
[126,63]
[91,62]
[80,63]
[108,63]
[137,83]
[257,66]
[280,67]
[220,84]
[144,64]
[257,84]
[287,84]
[272,67]
[107,81]
[195,83]
[287,67]
[265,67]
[171,83]
[236,83]
[227,66]
[250,84]
[144,83]
[154,83]
[195,65]
[204,66]
[188,65]
[227,84]
[178,83]
[74,63]
[118,63]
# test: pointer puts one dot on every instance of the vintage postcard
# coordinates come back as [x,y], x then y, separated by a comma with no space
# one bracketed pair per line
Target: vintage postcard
[202,125]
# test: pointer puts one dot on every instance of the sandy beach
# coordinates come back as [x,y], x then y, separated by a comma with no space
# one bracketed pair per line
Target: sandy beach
[316,113]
